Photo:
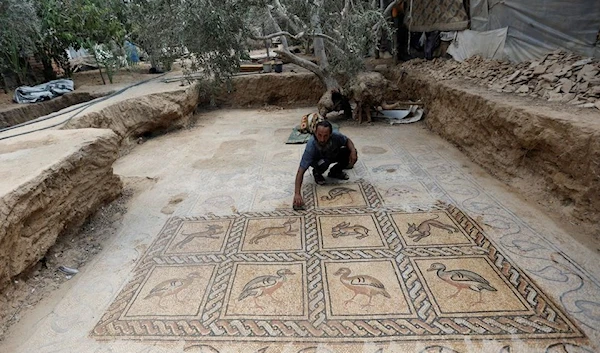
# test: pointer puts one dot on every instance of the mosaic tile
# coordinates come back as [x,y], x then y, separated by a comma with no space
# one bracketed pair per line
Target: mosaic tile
[349,232]
[273,234]
[332,275]
[340,195]
[406,192]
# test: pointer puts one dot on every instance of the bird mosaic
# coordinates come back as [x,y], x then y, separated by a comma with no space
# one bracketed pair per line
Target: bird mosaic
[171,287]
[462,279]
[361,284]
[264,285]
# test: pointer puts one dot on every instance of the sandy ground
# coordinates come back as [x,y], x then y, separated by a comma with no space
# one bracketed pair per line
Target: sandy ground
[235,161]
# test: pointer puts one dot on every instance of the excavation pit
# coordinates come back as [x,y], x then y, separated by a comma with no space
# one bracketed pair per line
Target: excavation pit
[203,195]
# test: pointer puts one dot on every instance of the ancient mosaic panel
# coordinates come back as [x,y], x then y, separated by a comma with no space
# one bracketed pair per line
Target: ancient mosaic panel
[347,270]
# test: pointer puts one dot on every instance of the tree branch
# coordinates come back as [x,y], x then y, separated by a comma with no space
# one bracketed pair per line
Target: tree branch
[388,10]
[294,21]
[346,9]
[307,64]
[277,34]
[297,36]
[386,13]
[328,82]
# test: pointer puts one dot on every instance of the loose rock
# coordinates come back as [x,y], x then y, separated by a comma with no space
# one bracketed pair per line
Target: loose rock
[556,77]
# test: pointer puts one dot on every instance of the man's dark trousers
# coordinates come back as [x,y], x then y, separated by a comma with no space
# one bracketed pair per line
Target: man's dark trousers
[341,162]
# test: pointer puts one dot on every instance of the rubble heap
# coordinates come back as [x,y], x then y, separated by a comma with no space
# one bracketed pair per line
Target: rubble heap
[559,76]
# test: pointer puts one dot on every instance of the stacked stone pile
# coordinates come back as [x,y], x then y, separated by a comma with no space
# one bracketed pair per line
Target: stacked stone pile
[559,76]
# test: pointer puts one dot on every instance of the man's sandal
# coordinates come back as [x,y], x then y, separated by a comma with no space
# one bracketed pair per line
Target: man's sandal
[338,175]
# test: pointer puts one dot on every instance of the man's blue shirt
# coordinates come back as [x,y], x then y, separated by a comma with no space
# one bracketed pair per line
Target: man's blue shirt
[313,153]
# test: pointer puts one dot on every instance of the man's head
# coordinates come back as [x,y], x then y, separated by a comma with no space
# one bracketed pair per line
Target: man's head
[323,132]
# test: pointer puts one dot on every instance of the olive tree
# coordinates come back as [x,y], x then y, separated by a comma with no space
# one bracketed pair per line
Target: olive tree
[342,33]
[20,28]
[215,34]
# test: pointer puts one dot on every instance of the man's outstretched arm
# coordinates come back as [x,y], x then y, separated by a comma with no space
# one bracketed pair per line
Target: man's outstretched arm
[298,201]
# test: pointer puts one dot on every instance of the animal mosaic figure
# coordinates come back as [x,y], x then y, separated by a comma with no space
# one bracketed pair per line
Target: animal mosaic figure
[210,233]
[337,192]
[462,279]
[423,230]
[264,285]
[285,229]
[344,229]
[397,191]
[361,284]
[171,287]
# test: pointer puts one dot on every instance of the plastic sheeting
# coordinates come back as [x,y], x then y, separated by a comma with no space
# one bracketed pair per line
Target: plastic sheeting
[45,91]
[536,27]
[489,44]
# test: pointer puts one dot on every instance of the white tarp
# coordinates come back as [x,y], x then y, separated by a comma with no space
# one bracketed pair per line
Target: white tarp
[536,27]
[45,91]
[489,44]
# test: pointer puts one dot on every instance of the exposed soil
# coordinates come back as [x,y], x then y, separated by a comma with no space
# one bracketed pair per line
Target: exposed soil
[73,250]
[547,151]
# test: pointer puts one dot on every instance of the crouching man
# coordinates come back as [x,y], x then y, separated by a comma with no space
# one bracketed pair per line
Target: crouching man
[325,148]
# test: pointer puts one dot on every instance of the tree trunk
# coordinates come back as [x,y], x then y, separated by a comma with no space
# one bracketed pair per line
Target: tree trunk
[101,76]
[4,85]
[49,73]
[98,63]
[333,98]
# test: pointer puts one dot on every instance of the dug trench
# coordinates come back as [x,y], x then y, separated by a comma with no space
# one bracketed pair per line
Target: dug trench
[549,153]
[541,154]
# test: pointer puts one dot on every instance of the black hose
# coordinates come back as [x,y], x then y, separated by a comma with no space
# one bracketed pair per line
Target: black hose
[81,109]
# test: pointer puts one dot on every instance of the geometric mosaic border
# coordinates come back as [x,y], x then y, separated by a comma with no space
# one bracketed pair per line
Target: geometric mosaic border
[425,315]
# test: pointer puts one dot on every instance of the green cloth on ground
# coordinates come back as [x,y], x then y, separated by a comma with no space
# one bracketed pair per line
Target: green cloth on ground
[299,138]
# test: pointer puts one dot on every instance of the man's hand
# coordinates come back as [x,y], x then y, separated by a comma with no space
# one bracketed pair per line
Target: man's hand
[353,157]
[298,201]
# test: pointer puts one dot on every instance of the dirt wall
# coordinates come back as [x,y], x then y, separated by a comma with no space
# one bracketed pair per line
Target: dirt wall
[52,181]
[136,116]
[551,154]
[272,89]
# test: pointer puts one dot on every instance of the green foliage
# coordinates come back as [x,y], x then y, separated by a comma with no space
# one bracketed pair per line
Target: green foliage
[77,24]
[156,26]
[47,28]
[354,37]
[208,34]
[215,37]
[19,27]
[213,33]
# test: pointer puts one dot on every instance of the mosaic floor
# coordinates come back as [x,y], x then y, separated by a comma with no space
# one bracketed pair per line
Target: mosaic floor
[420,251]
[348,269]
